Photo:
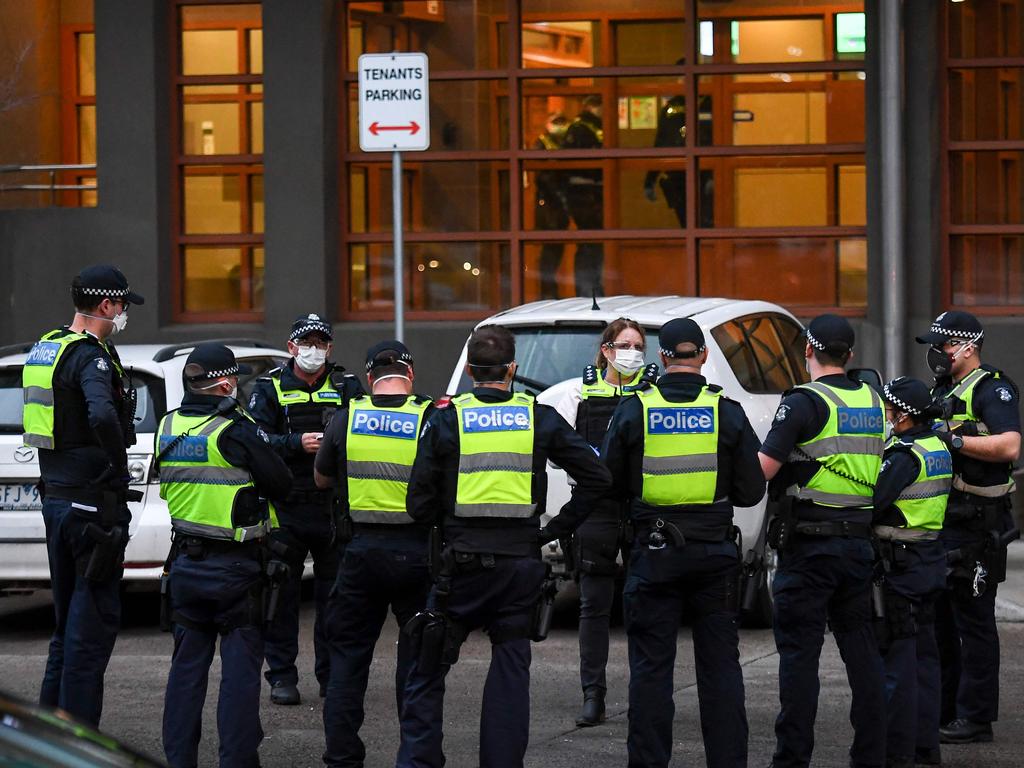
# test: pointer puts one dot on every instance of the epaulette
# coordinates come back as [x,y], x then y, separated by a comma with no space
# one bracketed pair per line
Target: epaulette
[420,399]
[714,388]
[650,374]
[590,375]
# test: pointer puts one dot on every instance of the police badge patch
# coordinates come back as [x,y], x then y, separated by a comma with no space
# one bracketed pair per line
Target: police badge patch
[1004,394]
[252,401]
[782,413]
[262,434]
[101,364]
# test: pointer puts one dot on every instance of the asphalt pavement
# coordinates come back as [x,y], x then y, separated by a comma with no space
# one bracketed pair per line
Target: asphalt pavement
[294,736]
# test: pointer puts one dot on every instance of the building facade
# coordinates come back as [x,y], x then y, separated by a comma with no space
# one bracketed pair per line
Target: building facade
[711,148]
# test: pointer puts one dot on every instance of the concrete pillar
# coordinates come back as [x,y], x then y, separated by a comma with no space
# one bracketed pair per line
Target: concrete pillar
[301,160]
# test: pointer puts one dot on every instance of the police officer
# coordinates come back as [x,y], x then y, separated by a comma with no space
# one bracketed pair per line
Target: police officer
[368,452]
[585,196]
[79,412]
[827,439]
[684,455]
[549,212]
[980,406]
[294,404]
[671,132]
[216,471]
[909,506]
[481,474]
[588,405]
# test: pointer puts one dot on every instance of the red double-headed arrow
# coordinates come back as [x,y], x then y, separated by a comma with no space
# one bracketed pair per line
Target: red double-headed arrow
[413,128]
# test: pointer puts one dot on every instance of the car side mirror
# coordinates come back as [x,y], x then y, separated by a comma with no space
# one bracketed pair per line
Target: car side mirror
[868,376]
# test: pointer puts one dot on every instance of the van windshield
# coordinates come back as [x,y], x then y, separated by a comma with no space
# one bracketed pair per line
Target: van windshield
[550,354]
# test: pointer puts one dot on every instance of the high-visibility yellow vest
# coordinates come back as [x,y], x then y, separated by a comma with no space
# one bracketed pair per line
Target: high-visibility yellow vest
[600,387]
[200,485]
[380,448]
[495,457]
[923,502]
[325,395]
[849,448]
[37,384]
[964,392]
[680,462]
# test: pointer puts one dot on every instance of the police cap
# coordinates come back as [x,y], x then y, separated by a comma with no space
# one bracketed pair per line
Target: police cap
[104,281]
[952,325]
[387,353]
[211,360]
[907,395]
[830,334]
[682,330]
[311,323]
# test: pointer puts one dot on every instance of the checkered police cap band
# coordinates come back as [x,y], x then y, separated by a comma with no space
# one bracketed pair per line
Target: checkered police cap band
[814,342]
[312,325]
[671,353]
[901,404]
[204,375]
[389,357]
[116,293]
[955,334]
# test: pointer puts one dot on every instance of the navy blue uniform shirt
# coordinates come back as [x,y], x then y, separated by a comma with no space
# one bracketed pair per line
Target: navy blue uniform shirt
[90,439]
[436,472]
[740,480]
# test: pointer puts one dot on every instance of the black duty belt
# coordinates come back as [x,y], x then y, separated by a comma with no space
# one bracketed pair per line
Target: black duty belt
[308,497]
[842,528]
[90,496]
[200,544]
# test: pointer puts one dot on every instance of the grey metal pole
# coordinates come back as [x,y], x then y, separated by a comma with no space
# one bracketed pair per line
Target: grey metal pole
[396,205]
[894,279]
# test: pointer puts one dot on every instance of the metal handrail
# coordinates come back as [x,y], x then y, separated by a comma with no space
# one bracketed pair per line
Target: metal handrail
[52,170]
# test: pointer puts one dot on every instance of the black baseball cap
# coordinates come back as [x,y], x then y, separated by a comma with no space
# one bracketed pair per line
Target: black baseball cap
[211,360]
[311,323]
[952,325]
[387,353]
[680,331]
[104,281]
[830,333]
[908,395]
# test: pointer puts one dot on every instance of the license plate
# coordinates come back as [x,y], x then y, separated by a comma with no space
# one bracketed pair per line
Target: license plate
[23,496]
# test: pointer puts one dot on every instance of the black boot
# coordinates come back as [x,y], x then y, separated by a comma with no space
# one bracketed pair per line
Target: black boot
[592,712]
[964,731]
[285,694]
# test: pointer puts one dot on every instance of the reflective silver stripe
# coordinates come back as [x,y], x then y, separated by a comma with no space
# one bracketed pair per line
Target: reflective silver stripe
[830,499]
[247,533]
[376,516]
[204,475]
[494,510]
[969,380]
[987,491]
[889,533]
[680,465]
[495,461]
[37,441]
[378,470]
[38,396]
[926,489]
[212,426]
[833,446]
[825,392]
[167,425]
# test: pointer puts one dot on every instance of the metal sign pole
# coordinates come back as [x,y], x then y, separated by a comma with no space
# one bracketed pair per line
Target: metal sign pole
[396,206]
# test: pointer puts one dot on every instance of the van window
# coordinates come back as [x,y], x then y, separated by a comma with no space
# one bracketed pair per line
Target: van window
[10,401]
[260,366]
[762,351]
[550,354]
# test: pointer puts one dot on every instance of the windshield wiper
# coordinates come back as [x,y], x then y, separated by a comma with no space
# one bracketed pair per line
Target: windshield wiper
[540,386]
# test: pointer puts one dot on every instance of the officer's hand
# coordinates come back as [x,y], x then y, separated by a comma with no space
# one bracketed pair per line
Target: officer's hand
[650,193]
[544,536]
[311,441]
[951,439]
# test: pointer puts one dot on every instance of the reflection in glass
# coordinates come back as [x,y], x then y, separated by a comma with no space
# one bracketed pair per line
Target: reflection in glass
[212,204]
[209,52]
[789,271]
[559,44]
[439,276]
[853,273]
[756,41]
[987,270]
[213,279]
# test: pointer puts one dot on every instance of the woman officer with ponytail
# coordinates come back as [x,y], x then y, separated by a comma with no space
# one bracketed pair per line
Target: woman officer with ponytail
[588,406]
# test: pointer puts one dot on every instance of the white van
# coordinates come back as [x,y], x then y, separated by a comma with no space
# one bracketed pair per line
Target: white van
[755,353]
[156,375]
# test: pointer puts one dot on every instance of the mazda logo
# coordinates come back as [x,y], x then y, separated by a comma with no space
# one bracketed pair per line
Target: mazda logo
[24,454]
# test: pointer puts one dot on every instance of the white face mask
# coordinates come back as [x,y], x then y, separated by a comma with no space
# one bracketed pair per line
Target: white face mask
[311,359]
[628,361]
[234,389]
[118,322]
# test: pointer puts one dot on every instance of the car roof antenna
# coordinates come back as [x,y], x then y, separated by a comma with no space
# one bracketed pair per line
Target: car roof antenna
[593,297]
